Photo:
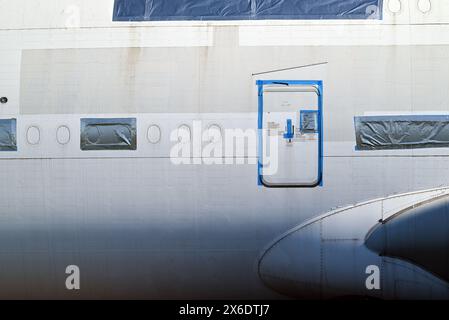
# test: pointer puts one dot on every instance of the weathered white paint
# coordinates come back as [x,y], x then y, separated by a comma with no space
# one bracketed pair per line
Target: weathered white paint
[140,227]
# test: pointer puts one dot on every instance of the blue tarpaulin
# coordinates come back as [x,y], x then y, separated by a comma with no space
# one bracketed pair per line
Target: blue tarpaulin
[165,10]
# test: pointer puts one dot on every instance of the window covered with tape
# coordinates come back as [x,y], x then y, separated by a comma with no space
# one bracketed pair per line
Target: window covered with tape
[402,132]
[8,140]
[108,134]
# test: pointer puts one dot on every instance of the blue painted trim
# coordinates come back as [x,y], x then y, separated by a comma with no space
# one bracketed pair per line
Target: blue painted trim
[321,135]
[319,85]
[260,135]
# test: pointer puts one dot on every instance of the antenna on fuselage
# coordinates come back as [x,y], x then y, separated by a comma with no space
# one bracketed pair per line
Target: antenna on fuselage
[291,68]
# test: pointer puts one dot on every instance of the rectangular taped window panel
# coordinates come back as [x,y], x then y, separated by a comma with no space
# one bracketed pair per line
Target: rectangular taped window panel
[8,140]
[309,121]
[402,132]
[108,134]
[164,10]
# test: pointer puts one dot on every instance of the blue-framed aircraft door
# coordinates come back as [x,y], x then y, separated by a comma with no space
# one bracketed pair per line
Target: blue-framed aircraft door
[290,126]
